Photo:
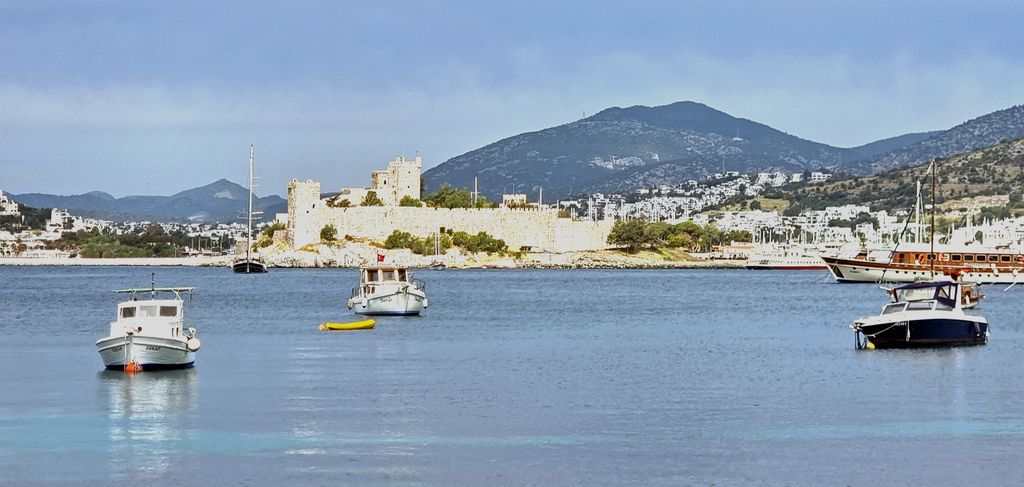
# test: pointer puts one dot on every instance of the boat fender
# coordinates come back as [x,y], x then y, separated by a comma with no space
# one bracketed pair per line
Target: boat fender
[132,367]
[870,346]
[323,327]
[192,344]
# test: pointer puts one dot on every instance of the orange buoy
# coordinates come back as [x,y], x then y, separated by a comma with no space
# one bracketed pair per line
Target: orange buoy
[132,367]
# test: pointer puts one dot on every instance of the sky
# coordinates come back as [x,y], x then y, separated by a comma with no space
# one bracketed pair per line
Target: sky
[153,98]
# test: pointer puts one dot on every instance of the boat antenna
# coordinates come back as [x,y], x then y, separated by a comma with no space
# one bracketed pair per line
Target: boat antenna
[931,238]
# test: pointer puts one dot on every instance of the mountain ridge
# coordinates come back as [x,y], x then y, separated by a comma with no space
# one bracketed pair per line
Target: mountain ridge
[219,201]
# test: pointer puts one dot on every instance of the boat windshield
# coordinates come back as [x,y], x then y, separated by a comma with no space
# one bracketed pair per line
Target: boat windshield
[944,294]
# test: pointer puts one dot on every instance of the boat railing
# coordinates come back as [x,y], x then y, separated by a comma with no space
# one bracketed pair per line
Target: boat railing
[419,284]
[355,291]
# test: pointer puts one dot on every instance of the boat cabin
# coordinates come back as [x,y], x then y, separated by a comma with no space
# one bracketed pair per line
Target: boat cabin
[152,317]
[957,258]
[381,275]
[924,295]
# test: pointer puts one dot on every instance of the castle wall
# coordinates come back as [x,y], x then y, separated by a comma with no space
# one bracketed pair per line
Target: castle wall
[534,228]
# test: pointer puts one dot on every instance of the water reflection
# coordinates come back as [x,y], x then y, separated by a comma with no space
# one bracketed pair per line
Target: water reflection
[147,418]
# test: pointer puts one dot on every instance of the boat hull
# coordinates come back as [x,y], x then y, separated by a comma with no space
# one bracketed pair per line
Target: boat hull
[400,303]
[766,267]
[151,353]
[859,270]
[249,267]
[925,333]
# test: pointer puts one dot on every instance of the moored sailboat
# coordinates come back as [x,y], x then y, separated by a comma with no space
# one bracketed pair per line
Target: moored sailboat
[251,263]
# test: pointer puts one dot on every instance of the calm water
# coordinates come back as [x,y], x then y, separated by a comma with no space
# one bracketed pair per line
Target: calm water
[512,377]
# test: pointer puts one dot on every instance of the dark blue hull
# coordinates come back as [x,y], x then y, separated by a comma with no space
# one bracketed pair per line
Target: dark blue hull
[927,333]
[149,367]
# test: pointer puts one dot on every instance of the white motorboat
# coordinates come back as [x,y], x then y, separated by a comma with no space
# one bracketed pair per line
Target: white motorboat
[922,314]
[388,290]
[150,334]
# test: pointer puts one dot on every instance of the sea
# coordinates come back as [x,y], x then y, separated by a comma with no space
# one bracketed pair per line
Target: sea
[511,377]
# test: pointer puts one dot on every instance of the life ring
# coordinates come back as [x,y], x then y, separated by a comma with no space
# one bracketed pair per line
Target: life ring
[922,258]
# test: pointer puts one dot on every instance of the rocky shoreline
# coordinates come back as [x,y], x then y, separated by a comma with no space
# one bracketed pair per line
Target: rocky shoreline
[356,254]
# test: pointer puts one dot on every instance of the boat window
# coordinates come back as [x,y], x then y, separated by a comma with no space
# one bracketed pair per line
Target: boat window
[893,308]
[128,312]
[968,258]
[979,258]
[147,311]
[169,311]
[993,258]
[918,305]
[401,275]
[371,275]
[1004,258]
[956,257]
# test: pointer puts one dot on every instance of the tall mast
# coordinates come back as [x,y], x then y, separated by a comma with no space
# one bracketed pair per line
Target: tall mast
[248,234]
[931,238]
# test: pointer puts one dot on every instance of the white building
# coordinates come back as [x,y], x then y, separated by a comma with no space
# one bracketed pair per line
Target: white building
[8,207]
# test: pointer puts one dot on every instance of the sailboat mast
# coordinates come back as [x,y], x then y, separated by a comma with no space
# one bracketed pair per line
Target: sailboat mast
[931,238]
[248,234]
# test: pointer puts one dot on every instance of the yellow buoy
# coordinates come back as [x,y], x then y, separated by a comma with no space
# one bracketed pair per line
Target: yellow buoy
[870,346]
[355,325]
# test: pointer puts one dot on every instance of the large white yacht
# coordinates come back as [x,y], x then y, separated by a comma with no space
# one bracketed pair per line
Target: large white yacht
[388,290]
[150,334]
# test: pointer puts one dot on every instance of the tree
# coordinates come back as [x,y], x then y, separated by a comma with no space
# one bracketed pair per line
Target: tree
[269,231]
[328,233]
[409,201]
[755,205]
[371,199]
[628,234]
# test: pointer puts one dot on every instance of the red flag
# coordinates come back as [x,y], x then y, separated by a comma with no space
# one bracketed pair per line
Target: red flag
[380,257]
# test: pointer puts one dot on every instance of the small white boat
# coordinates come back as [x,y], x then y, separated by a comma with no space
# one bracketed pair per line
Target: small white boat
[388,290]
[150,334]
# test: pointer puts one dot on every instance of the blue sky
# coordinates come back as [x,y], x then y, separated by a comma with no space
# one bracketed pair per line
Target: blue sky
[136,97]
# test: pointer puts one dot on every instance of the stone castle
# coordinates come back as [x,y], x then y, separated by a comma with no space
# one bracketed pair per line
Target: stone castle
[532,229]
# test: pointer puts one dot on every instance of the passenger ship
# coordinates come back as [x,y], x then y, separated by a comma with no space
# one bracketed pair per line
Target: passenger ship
[912,262]
[785,257]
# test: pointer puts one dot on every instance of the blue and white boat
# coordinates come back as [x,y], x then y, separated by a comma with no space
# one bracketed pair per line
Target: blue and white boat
[150,334]
[388,290]
[922,314]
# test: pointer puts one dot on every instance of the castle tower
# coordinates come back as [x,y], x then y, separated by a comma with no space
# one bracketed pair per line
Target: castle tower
[400,179]
[304,212]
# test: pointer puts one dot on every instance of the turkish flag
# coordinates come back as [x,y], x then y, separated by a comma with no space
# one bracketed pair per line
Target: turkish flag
[380,257]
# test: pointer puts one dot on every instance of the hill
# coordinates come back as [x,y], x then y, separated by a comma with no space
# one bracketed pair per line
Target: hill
[220,201]
[976,133]
[992,171]
[621,149]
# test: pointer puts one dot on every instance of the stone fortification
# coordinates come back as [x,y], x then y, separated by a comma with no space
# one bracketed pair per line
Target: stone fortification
[537,229]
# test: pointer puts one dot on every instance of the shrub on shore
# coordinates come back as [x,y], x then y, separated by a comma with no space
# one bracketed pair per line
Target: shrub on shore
[634,235]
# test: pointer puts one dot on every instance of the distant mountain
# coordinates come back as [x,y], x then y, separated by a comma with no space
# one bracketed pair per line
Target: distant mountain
[220,201]
[621,149]
[983,131]
[880,147]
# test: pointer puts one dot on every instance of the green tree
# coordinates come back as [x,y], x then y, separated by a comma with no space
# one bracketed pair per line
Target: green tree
[270,229]
[371,199]
[328,233]
[629,234]
[409,201]
[755,205]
